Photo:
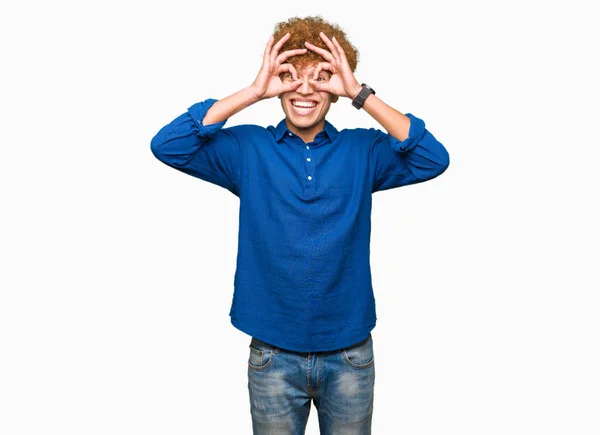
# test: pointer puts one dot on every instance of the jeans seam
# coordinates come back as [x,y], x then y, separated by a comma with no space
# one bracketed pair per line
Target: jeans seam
[264,366]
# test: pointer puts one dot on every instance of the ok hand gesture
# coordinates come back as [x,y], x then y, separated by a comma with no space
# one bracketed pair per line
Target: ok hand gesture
[342,81]
[268,83]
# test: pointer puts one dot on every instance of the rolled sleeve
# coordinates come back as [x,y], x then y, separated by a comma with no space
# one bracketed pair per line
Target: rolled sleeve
[415,134]
[209,152]
[420,157]
[198,112]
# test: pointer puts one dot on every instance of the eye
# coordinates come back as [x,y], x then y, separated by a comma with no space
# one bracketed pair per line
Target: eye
[321,79]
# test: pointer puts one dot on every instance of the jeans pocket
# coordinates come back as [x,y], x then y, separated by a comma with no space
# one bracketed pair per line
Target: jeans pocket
[261,354]
[360,355]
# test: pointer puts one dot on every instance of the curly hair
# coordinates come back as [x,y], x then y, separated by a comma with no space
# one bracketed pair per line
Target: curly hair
[308,29]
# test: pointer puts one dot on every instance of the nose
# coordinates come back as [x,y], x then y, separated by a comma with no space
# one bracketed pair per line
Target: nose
[306,87]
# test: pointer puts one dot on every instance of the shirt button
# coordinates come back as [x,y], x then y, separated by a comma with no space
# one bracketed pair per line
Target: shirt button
[290,134]
[309,177]
[308,159]
[307,147]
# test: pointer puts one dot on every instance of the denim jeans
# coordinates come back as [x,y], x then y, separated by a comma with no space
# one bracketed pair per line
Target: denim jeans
[283,382]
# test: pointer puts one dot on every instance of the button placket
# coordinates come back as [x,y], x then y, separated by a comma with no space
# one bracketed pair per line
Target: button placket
[309,168]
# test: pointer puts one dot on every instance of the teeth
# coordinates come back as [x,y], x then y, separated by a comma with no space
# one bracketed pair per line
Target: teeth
[303,104]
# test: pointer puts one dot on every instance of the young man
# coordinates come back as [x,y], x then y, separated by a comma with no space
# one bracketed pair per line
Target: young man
[302,286]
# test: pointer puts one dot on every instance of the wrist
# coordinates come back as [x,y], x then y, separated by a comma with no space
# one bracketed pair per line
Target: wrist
[254,94]
[355,91]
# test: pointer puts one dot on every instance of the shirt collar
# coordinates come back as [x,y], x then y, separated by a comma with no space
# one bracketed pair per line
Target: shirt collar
[282,129]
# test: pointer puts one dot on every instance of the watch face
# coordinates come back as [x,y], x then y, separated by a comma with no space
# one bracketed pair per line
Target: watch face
[367,87]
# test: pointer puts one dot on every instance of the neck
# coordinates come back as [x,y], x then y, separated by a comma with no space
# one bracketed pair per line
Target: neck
[306,134]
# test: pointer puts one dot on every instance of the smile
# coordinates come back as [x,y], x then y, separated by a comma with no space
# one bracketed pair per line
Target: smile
[303,107]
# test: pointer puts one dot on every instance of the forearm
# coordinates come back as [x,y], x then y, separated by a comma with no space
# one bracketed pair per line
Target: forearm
[229,106]
[394,122]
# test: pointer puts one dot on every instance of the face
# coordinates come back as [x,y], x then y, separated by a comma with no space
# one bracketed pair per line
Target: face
[305,108]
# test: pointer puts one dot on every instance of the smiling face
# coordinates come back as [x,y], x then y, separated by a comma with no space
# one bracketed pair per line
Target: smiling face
[305,108]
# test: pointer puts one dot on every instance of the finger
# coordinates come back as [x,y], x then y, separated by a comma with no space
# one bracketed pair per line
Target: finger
[328,43]
[284,56]
[277,47]
[288,67]
[294,72]
[269,45]
[291,86]
[340,50]
[320,86]
[324,53]
[320,67]
[266,58]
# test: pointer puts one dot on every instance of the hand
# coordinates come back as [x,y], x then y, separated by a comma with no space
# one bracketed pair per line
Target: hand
[268,83]
[342,81]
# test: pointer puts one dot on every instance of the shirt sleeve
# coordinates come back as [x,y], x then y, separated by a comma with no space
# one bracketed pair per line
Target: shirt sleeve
[420,157]
[208,152]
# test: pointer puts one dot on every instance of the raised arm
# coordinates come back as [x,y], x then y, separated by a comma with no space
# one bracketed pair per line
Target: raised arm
[409,153]
[267,84]
[196,142]
[394,163]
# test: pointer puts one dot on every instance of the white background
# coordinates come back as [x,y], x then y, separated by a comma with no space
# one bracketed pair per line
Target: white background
[117,271]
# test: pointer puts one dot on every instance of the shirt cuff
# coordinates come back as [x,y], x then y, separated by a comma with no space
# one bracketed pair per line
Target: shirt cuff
[198,111]
[415,134]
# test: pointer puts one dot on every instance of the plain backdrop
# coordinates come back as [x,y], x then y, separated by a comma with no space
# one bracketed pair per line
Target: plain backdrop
[117,271]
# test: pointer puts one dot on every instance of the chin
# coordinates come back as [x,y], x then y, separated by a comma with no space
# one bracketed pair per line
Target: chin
[303,122]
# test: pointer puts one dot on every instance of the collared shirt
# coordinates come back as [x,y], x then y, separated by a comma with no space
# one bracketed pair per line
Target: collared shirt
[303,276]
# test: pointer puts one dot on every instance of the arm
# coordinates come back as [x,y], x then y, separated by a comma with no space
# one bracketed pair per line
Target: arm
[266,85]
[409,153]
[419,157]
[196,142]
[394,122]
[208,152]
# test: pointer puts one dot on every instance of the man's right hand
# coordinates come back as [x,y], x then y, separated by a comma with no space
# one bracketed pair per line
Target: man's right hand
[268,84]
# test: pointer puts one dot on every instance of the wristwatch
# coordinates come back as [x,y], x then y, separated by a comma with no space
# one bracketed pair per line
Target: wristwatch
[362,96]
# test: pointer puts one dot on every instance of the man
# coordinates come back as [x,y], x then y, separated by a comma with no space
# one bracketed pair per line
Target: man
[302,287]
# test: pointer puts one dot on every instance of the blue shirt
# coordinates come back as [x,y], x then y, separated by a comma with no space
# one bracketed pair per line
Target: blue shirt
[303,277]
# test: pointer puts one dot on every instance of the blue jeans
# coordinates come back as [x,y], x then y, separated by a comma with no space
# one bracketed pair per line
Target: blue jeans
[283,382]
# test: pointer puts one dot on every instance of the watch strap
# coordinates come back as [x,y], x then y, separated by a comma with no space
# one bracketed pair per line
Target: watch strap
[359,100]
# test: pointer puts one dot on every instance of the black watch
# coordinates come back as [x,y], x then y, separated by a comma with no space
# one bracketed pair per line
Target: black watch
[362,96]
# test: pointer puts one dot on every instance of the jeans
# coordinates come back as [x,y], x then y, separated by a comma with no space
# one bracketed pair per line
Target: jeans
[283,382]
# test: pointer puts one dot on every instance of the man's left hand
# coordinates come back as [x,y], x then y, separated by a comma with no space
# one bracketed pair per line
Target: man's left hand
[342,81]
